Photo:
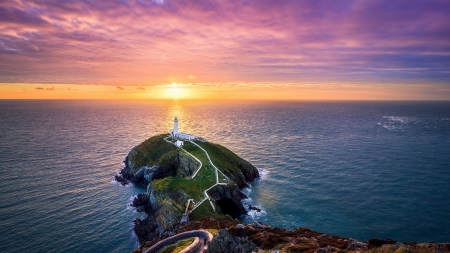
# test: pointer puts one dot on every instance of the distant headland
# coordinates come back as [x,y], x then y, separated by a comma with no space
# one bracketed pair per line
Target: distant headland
[193,202]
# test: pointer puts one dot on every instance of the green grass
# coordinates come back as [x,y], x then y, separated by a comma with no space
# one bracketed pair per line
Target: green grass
[223,158]
[177,247]
[194,150]
[149,151]
[204,179]
[205,210]
[192,187]
[207,171]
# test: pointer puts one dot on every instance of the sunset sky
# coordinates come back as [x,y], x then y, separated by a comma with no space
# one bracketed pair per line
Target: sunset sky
[261,49]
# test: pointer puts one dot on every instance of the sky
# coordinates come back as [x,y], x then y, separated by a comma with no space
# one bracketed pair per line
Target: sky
[243,49]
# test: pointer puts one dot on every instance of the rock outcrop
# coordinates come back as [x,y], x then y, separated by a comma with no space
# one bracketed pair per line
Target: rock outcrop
[224,242]
[174,163]
[228,198]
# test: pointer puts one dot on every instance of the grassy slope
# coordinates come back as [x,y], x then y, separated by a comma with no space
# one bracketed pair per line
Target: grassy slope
[222,157]
[149,151]
[156,151]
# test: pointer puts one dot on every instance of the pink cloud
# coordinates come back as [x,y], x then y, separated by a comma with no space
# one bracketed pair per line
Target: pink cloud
[111,42]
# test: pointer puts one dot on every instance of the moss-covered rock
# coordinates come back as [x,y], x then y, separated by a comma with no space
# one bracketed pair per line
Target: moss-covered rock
[170,205]
[149,152]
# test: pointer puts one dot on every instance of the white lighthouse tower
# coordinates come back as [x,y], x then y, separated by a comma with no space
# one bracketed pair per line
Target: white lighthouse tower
[179,135]
[175,125]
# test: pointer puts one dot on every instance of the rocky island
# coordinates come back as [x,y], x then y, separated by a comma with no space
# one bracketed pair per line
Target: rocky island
[193,191]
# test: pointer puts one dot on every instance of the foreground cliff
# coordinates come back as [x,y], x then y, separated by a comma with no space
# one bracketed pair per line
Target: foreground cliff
[198,187]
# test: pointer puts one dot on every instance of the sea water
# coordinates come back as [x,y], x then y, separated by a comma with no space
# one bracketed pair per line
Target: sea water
[354,169]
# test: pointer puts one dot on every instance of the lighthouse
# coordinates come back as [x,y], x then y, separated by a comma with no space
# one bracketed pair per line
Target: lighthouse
[179,135]
[175,125]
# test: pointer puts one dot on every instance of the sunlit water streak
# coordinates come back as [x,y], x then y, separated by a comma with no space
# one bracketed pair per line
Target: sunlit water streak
[359,169]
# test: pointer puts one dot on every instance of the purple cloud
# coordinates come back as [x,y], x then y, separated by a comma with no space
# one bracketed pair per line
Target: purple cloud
[111,42]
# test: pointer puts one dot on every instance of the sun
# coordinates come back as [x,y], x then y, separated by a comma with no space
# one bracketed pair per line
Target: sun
[176,91]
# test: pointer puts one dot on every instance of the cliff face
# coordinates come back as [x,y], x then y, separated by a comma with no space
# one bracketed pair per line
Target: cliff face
[170,205]
[174,163]
[228,198]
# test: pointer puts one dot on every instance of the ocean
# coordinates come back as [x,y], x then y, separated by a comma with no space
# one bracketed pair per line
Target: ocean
[355,169]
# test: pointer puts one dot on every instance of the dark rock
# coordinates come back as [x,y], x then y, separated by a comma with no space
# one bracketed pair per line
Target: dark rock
[173,163]
[141,199]
[242,195]
[125,175]
[142,203]
[121,180]
[375,243]
[239,230]
[145,230]
[355,244]
[228,199]
[224,242]
[240,226]
[254,208]
[126,172]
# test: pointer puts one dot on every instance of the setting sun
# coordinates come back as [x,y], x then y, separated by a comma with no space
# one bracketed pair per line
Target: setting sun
[176,91]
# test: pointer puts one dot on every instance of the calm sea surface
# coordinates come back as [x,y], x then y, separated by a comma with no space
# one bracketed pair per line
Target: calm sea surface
[355,169]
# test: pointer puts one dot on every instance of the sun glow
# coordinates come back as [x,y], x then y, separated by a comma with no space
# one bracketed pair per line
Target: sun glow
[176,91]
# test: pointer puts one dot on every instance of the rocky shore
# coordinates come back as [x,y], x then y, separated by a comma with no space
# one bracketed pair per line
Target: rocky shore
[172,193]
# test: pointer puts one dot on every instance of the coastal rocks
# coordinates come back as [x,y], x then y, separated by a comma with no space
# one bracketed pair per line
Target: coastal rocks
[120,179]
[186,165]
[173,163]
[228,199]
[145,174]
[125,174]
[145,230]
[245,173]
[169,207]
[257,224]
[224,242]
[240,226]
[254,208]
[356,245]
[164,209]
[249,171]
[142,203]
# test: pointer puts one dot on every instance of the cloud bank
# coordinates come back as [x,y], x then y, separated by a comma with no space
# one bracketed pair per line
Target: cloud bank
[144,42]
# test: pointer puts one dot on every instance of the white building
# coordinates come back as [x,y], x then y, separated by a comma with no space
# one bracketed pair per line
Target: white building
[179,135]
[179,144]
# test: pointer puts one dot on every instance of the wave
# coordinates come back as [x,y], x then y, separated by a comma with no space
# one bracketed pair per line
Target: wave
[255,214]
[263,173]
